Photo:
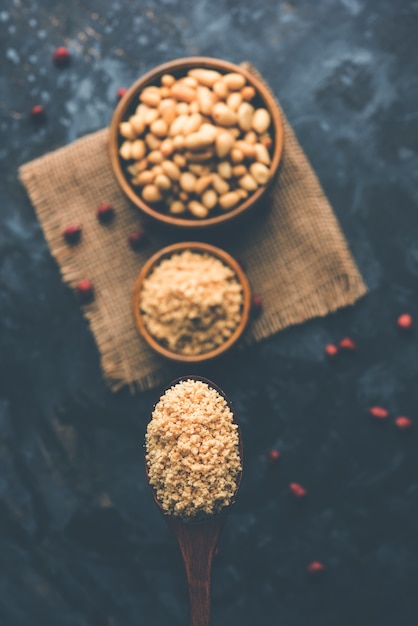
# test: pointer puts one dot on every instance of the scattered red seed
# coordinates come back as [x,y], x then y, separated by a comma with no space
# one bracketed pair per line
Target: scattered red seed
[273,456]
[405,321]
[331,350]
[403,423]
[347,344]
[61,56]
[136,240]
[85,290]
[121,92]
[37,113]
[72,233]
[256,305]
[315,567]
[216,553]
[379,412]
[105,213]
[297,490]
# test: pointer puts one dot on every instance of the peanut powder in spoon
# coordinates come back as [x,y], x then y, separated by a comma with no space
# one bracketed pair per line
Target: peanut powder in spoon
[192,450]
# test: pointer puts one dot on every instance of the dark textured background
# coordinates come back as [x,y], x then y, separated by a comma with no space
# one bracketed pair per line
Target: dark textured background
[81,543]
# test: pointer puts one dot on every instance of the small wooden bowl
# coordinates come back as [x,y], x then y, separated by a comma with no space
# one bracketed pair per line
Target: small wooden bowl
[127,106]
[155,260]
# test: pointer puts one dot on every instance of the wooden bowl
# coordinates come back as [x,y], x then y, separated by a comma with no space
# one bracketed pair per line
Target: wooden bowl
[167,252]
[126,108]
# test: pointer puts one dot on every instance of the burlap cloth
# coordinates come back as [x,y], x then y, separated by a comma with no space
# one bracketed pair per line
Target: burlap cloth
[294,254]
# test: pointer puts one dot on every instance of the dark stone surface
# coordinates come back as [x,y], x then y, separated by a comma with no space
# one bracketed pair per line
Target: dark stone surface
[81,543]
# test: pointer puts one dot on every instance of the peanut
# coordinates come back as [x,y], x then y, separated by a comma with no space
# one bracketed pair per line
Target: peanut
[177,207]
[171,170]
[197,209]
[126,130]
[223,115]
[223,144]
[260,172]
[234,81]
[188,182]
[210,198]
[163,182]
[248,182]
[197,142]
[261,121]
[229,200]
[205,77]
[151,193]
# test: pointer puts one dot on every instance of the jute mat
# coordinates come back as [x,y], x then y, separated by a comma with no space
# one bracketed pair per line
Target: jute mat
[294,253]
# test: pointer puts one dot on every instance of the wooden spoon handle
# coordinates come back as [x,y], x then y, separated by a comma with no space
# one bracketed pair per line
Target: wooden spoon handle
[197,544]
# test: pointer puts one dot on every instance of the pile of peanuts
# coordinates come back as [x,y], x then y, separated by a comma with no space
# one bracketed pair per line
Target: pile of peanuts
[196,144]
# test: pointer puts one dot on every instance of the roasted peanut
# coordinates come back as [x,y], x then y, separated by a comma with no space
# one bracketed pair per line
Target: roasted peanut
[204,76]
[229,200]
[167,147]
[188,182]
[137,123]
[223,144]
[183,92]
[150,96]
[234,100]
[159,128]
[234,81]
[177,207]
[145,178]
[126,130]
[171,170]
[260,172]
[225,169]
[167,80]
[206,100]
[138,149]
[152,141]
[197,209]
[210,198]
[262,154]
[223,115]
[248,182]
[202,183]
[192,124]
[245,116]
[261,121]
[220,89]
[155,157]
[125,150]
[151,193]
[219,184]
[163,182]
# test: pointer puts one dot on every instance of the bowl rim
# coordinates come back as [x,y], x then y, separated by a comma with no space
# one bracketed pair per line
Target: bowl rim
[167,252]
[176,65]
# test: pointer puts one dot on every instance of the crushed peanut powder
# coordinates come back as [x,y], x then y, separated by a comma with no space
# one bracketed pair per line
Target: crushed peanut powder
[192,450]
[191,302]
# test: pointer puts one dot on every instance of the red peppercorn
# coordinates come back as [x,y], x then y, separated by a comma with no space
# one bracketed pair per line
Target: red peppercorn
[403,423]
[347,344]
[61,57]
[297,490]
[331,350]
[273,456]
[379,412]
[85,290]
[256,305]
[316,567]
[121,92]
[37,113]
[136,240]
[105,213]
[72,233]
[405,321]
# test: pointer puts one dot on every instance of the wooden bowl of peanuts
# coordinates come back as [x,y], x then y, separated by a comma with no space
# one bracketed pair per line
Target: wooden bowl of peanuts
[191,301]
[196,142]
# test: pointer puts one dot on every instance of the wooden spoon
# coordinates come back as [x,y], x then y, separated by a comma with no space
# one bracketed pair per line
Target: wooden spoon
[198,539]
